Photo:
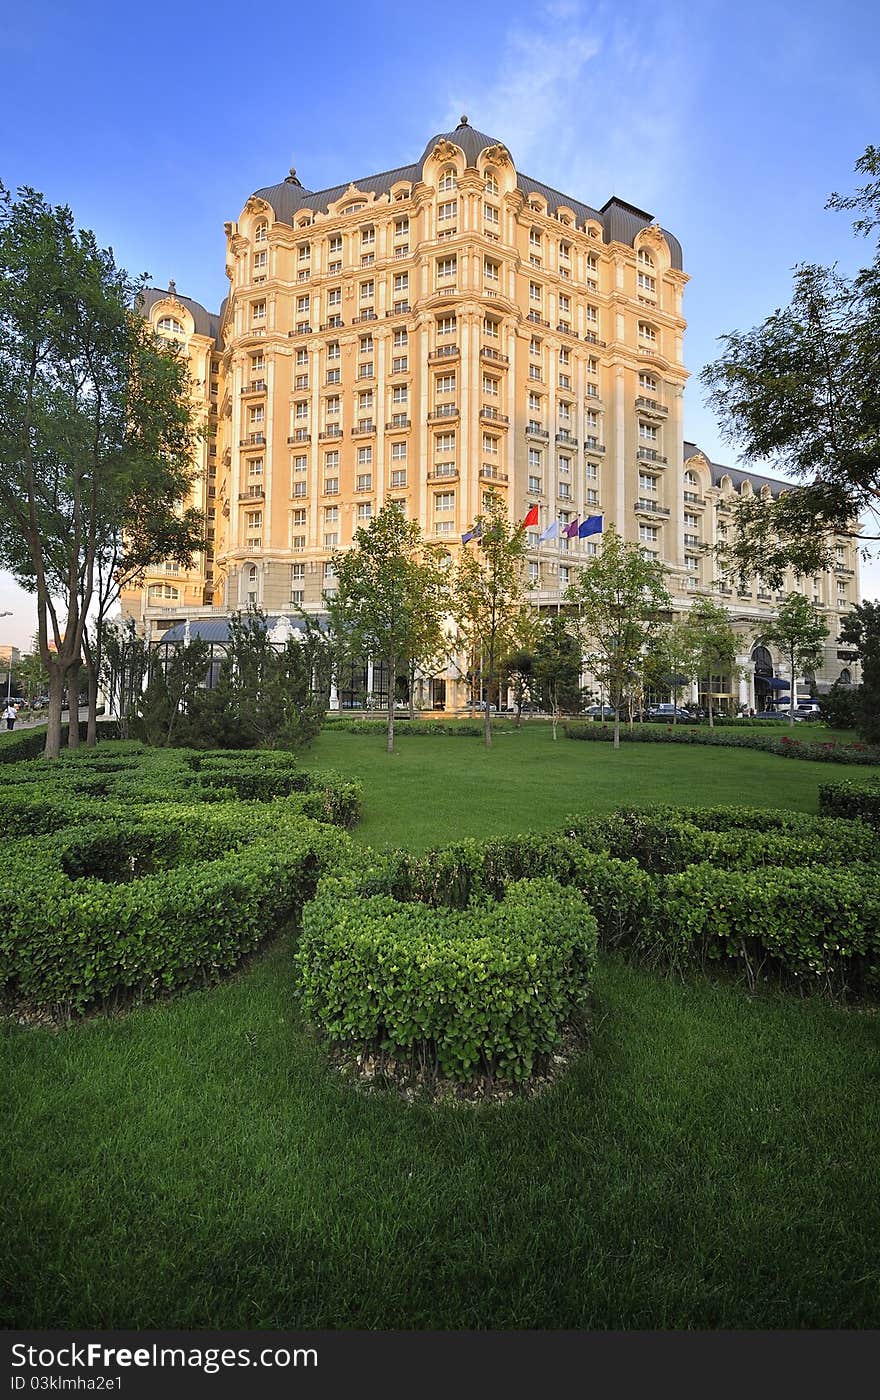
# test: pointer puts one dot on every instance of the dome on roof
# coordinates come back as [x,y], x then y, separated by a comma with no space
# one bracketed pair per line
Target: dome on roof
[472,142]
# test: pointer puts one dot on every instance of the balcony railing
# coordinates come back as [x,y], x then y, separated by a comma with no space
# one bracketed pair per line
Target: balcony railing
[490,473]
[446,410]
[592,339]
[364,316]
[256,386]
[534,431]
[301,435]
[537,320]
[334,432]
[650,508]
[648,454]
[402,308]
[488,353]
[364,428]
[443,474]
[692,498]
[398,424]
[564,436]
[253,440]
[444,352]
[651,408]
[253,493]
[597,448]
[492,414]
[335,323]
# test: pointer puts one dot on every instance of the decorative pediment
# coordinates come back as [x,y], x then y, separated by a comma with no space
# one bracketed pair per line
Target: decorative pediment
[497,155]
[446,150]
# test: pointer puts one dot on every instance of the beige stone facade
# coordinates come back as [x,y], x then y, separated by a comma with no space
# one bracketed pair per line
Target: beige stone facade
[428,335]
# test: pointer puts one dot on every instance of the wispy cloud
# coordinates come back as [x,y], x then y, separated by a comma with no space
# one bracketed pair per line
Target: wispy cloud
[588,99]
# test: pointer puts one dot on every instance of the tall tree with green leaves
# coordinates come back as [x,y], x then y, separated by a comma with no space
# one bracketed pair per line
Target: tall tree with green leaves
[621,596]
[556,667]
[89,413]
[490,594]
[671,661]
[799,632]
[802,390]
[715,645]
[861,632]
[392,597]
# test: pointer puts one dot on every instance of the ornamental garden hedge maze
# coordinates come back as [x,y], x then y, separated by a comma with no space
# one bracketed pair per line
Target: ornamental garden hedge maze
[134,873]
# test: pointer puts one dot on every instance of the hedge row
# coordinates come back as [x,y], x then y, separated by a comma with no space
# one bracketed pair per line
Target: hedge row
[486,991]
[69,942]
[422,728]
[857,801]
[29,743]
[821,751]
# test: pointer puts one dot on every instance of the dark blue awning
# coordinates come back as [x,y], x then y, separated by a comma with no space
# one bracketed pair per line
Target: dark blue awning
[776,684]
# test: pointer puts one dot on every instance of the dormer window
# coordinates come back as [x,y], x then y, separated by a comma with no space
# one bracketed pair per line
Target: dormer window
[644,257]
[448,179]
[261,232]
[169,326]
[491,182]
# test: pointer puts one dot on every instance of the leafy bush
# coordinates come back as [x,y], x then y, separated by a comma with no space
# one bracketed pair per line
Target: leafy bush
[821,751]
[70,939]
[482,991]
[422,728]
[841,707]
[859,801]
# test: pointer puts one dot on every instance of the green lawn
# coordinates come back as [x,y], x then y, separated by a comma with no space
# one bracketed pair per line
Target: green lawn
[435,789]
[710,1161]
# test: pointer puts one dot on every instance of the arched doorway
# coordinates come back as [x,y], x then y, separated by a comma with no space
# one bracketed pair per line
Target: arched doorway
[763,663]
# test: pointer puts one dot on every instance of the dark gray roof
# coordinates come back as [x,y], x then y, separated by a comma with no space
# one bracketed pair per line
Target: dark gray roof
[736,474]
[621,221]
[210,629]
[206,322]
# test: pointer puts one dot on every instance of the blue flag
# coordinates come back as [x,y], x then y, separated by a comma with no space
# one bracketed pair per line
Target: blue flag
[591,526]
[467,537]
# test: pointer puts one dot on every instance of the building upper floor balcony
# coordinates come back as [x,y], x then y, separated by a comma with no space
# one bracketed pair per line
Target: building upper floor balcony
[444,352]
[651,408]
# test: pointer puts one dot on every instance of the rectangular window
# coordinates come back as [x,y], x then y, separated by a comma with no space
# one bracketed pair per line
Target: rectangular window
[490,327]
[401,282]
[446,325]
[444,442]
[401,227]
[300,488]
[302,306]
[365,400]
[535,458]
[535,292]
[367,291]
[334,297]
[448,209]
[490,214]
[334,376]
[648,533]
[400,393]
[399,364]
[331,486]
[647,383]
[647,432]
[331,540]
[490,270]
[446,268]
[365,456]
[364,482]
[364,510]
[490,445]
[398,478]
[445,384]
[398,451]
[401,338]
[647,483]
[365,345]
[298,543]
[444,500]
[534,486]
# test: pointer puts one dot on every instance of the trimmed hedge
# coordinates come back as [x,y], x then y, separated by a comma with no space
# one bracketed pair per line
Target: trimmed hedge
[859,801]
[421,728]
[70,940]
[820,751]
[485,991]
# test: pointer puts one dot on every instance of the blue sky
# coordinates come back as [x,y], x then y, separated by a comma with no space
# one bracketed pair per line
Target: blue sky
[730,122]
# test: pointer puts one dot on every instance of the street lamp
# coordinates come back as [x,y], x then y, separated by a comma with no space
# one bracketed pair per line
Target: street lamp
[9,672]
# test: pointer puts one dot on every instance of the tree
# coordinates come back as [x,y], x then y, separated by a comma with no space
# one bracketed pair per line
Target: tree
[800,634]
[392,597]
[715,644]
[621,596]
[557,667]
[861,631]
[671,661]
[32,674]
[803,391]
[490,593]
[88,417]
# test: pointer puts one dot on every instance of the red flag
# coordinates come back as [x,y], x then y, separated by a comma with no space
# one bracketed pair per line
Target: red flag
[531,518]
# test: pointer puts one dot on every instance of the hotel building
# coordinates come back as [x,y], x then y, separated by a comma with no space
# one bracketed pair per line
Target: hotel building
[426,336]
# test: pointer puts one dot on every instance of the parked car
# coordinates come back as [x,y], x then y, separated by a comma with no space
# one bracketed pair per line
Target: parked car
[808,709]
[669,713]
[599,712]
[781,715]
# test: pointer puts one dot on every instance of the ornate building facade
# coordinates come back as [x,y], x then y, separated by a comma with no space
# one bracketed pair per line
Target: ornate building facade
[425,336]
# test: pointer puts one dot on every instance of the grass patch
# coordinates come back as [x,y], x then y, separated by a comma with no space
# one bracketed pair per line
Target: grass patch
[709,1162]
[430,791]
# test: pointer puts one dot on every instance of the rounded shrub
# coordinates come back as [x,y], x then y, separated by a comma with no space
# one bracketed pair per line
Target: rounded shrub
[484,991]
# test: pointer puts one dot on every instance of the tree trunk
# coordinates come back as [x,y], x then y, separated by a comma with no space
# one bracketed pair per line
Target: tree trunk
[487,716]
[73,706]
[617,726]
[53,730]
[390,736]
[555,713]
[92,664]
[711,716]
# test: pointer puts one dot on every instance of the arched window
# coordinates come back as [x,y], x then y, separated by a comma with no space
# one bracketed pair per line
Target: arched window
[690,480]
[491,182]
[252,574]
[448,179]
[845,676]
[644,257]
[169,326]
[160,592]
[261,232]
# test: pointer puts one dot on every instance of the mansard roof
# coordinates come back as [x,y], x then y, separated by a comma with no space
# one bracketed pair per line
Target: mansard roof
[206,322]
[736,474]
[621,222]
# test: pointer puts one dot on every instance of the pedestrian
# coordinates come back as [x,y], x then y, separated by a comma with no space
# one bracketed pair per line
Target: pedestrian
[10,714]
